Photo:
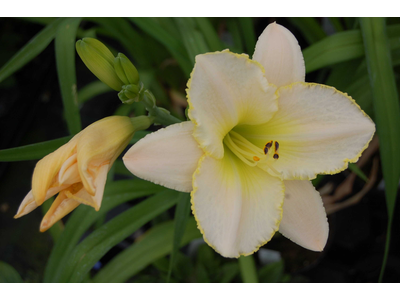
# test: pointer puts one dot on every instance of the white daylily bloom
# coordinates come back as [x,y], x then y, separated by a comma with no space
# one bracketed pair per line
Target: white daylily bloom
[258,133]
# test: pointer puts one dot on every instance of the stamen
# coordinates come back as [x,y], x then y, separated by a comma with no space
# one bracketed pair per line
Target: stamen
[276,154]
[244,142]
[237,151]
[256,158]
[267,147]
[276,146]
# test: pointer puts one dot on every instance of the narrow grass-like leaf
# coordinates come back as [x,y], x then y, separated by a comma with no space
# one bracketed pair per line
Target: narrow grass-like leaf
[8,274]
[181,216]
[92,90]
[33,151]
[98,243]
[84,216]
[342,46]
[360,90]
[272,273]
[246,27]
[336,48]
[154,244]
[248,269]
[354,168]
[121,169]
[209,33]
[387,111]
[174,45]
[121,30]
[233,27]
[310,28]
[192,38]
[35,46]
[335,21]
[65,58]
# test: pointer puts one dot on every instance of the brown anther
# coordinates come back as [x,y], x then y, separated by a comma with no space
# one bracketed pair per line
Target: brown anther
[267,147]
[276,156]
[276,146]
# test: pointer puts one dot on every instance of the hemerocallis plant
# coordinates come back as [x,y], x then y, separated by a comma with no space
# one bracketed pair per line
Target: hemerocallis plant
[256,137]
[78,170]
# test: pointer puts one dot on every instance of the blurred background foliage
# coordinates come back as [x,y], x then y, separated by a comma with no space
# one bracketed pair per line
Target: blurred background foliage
[146,233]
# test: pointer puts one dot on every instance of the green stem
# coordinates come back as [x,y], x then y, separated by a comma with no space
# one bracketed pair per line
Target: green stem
[142,122]
[160,115]
[248,269]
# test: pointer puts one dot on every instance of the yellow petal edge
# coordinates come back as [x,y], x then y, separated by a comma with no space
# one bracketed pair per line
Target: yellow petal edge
[346,161]
[201,229]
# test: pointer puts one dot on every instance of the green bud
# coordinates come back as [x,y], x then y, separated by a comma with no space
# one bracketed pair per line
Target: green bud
[149,98]
[99,60]
[125,70]
[129,93]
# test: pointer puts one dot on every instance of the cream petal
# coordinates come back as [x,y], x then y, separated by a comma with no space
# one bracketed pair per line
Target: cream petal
[99,144]
[226,89]
[46,170]
[59,209]
[29,204]
[79,193]
[69,173]
[319,130]
[167,157]
[304,218]
[279,52]
[100,183]
[237,207]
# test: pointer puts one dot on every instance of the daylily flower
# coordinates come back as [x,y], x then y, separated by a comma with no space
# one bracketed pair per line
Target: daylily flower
[78,170]
[258,134]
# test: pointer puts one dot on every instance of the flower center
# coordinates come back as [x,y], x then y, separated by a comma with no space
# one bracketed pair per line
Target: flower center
[249,153]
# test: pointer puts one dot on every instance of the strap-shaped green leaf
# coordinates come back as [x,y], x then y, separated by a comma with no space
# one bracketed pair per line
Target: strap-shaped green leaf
[354,168]
[182,212]
[272,272]
[247,29]
[387,110]
[156,243]
[336,48]
[209,33]
[342,46]
[84,216]
[193,39]
[92,90]
[234,29]
[35,46]
[33,151]
[8,274]
[65,58]
[309,27]
[97,244]
[174,45]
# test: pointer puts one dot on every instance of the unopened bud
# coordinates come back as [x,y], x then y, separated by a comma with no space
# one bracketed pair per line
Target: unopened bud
[125,70]
[149,98]
[99,60]
[129,93]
